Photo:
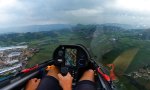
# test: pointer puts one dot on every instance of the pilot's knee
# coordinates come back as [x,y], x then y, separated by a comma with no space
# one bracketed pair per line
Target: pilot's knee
[88,75]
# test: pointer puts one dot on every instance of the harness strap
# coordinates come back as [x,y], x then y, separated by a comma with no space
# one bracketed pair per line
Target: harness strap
[105,76]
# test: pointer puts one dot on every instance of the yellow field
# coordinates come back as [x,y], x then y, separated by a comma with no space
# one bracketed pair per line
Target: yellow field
[123,61]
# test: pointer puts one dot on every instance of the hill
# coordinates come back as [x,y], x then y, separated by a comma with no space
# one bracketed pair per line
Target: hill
[34,28]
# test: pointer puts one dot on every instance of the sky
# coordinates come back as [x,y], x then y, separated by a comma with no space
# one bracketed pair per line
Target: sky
[39,12]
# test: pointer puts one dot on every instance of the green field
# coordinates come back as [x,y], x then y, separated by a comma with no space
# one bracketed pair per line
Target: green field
[44,55]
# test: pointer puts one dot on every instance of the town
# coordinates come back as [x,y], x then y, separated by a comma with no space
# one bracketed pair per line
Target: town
[143,72]
[13,59]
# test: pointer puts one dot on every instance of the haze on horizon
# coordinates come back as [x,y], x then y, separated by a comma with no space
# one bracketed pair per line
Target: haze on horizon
[14,13]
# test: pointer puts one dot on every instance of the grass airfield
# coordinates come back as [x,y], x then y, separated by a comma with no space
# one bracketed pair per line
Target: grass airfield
[123,61]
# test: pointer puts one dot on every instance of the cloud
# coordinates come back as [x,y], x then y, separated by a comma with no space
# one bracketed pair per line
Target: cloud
[87,12]
[134,5]
[30,12]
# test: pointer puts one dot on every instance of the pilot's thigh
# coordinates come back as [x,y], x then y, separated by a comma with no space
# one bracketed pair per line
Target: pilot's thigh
[85,85]
[49,83]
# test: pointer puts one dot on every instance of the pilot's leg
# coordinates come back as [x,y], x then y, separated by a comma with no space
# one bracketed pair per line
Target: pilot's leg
[87,81]
[50,82]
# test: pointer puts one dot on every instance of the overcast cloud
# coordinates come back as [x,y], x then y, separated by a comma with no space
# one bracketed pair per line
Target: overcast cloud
[34,12]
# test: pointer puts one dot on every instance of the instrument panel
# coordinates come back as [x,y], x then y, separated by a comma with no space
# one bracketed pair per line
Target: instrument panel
[71,56]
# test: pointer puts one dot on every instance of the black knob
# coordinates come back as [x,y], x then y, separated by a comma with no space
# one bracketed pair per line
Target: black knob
[64,71]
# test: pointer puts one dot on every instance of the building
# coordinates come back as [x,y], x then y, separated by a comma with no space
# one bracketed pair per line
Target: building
[10,69]
[12,62]
[14,54]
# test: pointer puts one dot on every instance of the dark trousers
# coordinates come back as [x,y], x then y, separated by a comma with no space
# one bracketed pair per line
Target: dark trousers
[51,83]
